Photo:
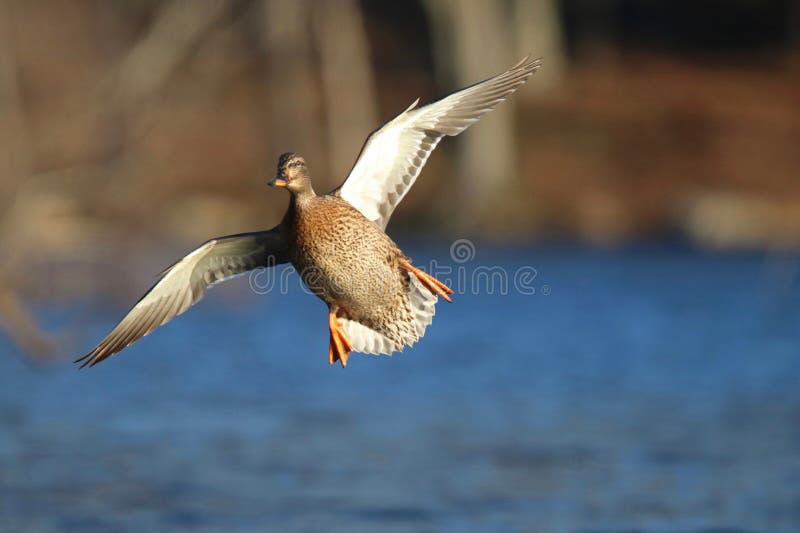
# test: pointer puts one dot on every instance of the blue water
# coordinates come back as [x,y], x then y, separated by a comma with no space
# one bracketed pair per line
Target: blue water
[655,389]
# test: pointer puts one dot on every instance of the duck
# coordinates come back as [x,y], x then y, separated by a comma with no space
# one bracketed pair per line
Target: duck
[378,302]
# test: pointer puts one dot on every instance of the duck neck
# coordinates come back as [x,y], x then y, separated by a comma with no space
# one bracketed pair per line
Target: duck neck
[297,201]
[303,192]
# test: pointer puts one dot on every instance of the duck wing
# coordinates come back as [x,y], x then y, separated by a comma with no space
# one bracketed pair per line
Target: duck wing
[393,156]
[184,284]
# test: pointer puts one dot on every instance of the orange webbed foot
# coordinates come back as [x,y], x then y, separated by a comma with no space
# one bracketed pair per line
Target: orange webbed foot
[433,284]
[340,347]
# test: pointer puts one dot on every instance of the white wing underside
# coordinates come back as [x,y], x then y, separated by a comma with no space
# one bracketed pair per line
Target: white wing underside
[183,284]
[394,155]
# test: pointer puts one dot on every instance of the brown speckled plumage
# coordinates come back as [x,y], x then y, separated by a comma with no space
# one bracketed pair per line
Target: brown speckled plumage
[352,265]
[379,303]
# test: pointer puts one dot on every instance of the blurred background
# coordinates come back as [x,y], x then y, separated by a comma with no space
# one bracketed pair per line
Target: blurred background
[649,173]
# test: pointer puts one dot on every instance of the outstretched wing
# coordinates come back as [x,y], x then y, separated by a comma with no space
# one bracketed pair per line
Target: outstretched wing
[183,284]
[394,155]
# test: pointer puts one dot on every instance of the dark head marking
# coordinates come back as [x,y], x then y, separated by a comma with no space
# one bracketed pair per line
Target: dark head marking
[285,158]
[290,163]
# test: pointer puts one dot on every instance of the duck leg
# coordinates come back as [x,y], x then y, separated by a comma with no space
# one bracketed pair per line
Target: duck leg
[340,346]
[433,284]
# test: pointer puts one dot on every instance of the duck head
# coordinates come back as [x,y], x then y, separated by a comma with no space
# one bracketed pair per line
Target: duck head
[293,174]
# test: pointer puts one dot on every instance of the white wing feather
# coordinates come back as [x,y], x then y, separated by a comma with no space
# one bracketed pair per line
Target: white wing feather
[394,155]
[183,284]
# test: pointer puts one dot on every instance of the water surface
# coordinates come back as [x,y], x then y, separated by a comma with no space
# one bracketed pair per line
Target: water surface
[653,390]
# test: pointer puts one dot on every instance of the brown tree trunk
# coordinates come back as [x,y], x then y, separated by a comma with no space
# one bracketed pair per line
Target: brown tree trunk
[292,85]
[347,81]
[478,44]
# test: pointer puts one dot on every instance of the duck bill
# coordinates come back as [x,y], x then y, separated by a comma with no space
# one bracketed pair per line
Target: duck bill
[278,181]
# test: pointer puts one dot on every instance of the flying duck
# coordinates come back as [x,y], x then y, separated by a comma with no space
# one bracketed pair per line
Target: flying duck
[378,301]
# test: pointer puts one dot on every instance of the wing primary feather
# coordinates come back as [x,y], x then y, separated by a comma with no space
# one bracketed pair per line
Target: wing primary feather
[185,282]
[393,156]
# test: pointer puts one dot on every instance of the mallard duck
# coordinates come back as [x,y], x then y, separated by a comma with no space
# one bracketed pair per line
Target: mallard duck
[378,301]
